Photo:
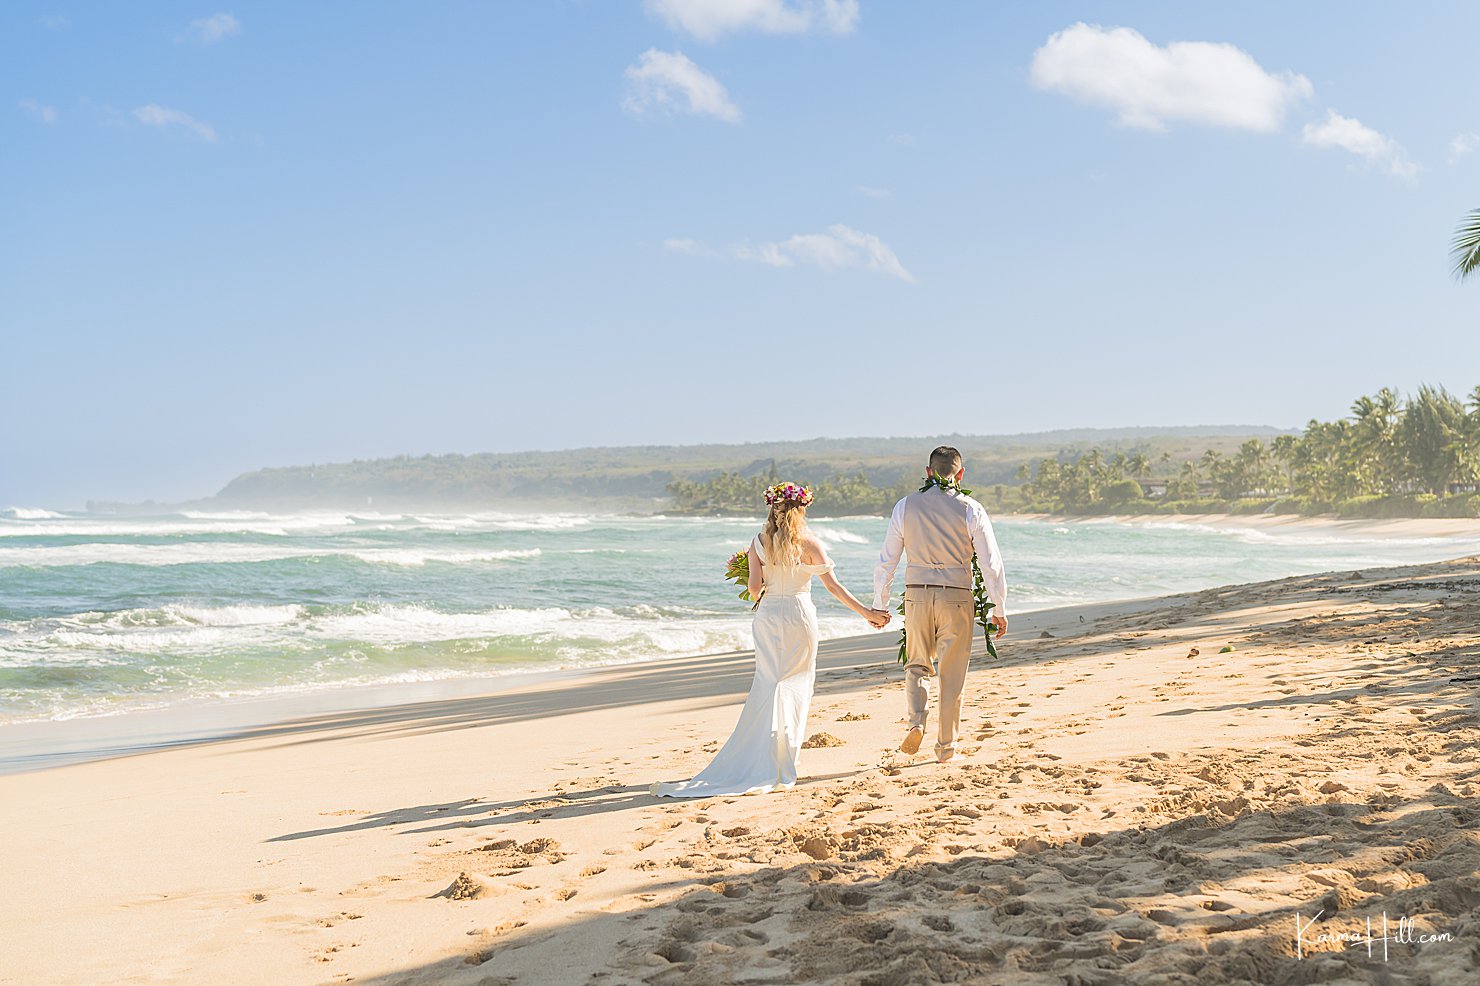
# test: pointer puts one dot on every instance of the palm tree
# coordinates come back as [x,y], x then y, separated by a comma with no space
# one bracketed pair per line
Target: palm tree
[1466,246]
[1376,438]
[1285,448]
[1323,465]
[1469,441]
[1187,484]
[1211,462]
[1431,430]
[1253,466]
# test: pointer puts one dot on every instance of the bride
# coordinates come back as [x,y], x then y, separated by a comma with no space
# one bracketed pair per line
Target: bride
[761,754]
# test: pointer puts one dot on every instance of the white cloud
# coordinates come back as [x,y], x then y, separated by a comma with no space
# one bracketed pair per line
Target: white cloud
[1357,138]
[155,115]
[872,192]
[691,247]
[839,247]
[1148,85]
[670,81]
[55,22]
[903,140]
[46,114]
[1461,145]
[708,19]
[209,30]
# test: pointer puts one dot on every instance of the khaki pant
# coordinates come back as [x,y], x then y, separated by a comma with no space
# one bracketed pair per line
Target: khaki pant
[939,624]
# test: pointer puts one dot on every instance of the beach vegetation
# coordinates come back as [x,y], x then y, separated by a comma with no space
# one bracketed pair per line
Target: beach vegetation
[1391,457]
[636,478]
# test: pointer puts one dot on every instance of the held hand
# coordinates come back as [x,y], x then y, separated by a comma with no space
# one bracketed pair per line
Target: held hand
[877,618]
[1000,622]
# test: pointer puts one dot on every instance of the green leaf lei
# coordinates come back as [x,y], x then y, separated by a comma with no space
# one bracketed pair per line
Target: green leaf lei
[983,605]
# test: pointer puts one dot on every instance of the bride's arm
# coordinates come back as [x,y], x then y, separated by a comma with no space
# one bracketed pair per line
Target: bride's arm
[839,591]
[843,595]
[757,581]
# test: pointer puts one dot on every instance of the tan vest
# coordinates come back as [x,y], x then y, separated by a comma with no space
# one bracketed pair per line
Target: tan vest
[937,540]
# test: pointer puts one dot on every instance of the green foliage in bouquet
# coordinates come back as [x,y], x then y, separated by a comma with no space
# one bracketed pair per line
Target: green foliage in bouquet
[737,570]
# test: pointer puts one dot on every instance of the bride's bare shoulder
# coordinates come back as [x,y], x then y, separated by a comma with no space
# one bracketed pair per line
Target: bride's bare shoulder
[813,552]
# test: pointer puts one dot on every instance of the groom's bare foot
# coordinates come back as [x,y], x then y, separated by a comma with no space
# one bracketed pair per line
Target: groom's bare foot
[912,741]
[944,755]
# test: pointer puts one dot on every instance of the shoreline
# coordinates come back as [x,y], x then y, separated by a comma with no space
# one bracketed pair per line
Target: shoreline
[1161,775]
[42,744]
[1396,527]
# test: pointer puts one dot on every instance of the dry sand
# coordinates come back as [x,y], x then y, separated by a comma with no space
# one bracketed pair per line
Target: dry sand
[1131,806]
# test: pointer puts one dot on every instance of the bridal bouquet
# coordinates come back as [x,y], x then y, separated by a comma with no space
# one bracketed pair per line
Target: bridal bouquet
[737,570]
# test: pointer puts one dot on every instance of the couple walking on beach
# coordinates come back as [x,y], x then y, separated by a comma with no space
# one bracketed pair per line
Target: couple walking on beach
[940,529]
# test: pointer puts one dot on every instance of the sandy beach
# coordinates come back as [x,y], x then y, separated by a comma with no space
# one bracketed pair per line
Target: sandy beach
[1135,802]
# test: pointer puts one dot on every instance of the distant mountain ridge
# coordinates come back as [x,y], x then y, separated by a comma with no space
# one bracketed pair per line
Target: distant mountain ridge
[637,476]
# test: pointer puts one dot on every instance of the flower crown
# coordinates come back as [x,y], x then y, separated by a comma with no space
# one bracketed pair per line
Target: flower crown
[799,495]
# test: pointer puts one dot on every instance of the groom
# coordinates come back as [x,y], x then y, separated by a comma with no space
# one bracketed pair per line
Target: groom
[939,528]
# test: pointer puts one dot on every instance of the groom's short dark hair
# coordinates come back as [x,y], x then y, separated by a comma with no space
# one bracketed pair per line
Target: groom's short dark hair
[945,461]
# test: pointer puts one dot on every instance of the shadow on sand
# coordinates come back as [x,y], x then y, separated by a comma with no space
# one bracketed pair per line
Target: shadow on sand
[1128,905]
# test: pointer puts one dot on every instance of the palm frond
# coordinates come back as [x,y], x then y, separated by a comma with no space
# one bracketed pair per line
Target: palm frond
[1466,246]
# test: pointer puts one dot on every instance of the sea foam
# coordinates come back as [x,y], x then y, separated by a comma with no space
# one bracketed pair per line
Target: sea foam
[29,513]
[214,553]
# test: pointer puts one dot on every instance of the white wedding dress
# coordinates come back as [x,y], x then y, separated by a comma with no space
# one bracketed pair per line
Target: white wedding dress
[761,754]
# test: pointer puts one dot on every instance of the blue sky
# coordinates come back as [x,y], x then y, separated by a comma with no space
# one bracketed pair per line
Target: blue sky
[272,233]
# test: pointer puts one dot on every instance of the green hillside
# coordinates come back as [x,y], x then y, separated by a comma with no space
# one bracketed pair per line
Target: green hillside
[638,477]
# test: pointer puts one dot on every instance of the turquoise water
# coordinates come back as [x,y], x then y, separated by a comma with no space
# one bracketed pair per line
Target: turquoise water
[100,615]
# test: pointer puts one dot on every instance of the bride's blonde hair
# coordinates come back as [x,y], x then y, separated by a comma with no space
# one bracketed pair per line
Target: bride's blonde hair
[783,534]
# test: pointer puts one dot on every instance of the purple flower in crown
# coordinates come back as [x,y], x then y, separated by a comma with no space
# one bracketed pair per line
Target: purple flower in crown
[800,495]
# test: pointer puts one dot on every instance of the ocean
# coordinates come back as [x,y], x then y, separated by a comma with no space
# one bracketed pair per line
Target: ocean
[101,615]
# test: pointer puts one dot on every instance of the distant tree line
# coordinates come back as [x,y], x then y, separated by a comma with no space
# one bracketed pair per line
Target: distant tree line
[1418,457]
[636,477]
[733,492]
[1390,458]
